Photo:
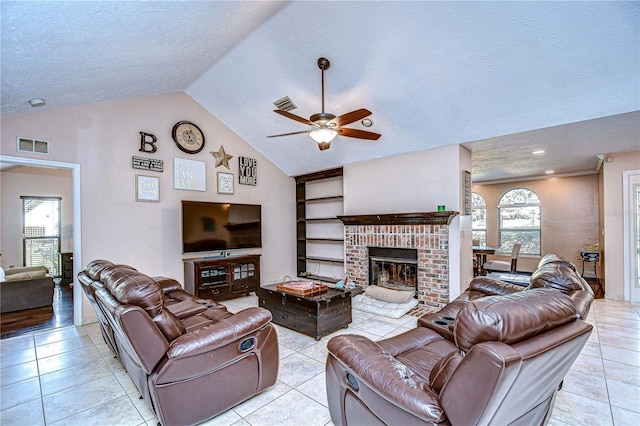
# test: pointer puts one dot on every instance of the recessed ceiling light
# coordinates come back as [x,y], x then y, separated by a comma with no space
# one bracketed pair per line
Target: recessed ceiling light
[36,102]
[367,122]
[549,172]
[538,152]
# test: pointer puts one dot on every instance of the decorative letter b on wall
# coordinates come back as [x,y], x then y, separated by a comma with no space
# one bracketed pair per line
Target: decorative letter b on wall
[147,139]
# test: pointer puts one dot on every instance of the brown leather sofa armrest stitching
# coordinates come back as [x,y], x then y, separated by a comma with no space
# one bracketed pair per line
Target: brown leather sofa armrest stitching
[389,378]
[493,287]
[219,334]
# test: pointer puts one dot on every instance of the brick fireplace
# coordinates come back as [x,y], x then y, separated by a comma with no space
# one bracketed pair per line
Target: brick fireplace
[428,233]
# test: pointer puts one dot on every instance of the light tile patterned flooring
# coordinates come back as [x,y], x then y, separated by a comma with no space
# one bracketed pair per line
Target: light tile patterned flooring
[69,376]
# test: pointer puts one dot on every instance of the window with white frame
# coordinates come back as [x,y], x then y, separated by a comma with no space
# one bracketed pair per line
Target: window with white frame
[519,221]
[478,219]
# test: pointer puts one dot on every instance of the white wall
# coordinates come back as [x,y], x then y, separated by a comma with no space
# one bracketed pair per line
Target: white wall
[614,220]
[103,137]
[417,182]
[38,182]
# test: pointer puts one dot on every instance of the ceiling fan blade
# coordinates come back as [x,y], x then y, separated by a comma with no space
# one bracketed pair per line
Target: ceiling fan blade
[288,134]
[360,134]
[351,117]
[293,116]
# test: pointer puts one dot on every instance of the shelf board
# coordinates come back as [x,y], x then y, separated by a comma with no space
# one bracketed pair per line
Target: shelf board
[323,240]
[321,259]
[319,219]
[322,199]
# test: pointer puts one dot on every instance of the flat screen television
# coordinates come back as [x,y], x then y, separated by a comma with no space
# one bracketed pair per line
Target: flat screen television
[208,226]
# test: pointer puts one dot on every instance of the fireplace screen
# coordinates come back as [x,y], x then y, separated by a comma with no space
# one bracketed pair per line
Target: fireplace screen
[399,274]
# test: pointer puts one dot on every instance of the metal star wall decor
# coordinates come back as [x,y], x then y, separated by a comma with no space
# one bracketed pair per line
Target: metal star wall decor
[222,158]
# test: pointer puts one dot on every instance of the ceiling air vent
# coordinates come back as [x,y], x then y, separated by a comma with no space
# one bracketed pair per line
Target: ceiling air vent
[285,104]
[35,146]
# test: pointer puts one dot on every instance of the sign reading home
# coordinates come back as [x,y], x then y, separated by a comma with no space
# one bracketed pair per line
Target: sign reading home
[146,164]
[248,171]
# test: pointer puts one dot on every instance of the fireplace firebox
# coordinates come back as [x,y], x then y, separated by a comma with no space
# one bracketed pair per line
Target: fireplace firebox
[395,268]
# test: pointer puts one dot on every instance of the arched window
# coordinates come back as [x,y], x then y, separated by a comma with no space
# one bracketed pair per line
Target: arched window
[478,219]
[519,221]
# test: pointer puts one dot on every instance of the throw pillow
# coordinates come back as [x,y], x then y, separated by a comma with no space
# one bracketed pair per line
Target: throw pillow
[26,275]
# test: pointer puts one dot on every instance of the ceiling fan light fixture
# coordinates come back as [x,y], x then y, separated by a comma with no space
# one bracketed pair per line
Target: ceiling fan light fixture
[323,135]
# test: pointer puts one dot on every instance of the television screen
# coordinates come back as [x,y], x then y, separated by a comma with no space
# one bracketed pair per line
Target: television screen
[208,226]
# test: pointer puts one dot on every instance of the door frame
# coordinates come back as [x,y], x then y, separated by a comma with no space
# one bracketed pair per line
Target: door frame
[77,226]
[627,255]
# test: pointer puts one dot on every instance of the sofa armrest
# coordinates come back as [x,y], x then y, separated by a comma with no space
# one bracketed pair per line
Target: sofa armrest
[384,375]
[492,287]
[167,284]
[582,299]
[219,333]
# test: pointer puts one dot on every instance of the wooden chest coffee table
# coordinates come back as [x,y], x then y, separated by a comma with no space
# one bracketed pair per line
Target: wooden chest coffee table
[315,316]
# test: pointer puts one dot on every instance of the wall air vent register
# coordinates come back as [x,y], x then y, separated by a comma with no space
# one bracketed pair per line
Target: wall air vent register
[35,146]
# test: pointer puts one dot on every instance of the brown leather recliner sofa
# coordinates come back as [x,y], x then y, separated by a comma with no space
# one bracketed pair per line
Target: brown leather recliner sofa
[190,358]
[555,272]
[503,366]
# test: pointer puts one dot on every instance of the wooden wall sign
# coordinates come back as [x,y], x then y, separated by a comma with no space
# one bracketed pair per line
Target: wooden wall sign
[148,143]
[147,164]
[248,171]
[189,175]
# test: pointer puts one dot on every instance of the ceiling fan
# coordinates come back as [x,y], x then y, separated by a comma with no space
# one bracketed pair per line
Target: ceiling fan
[326,126]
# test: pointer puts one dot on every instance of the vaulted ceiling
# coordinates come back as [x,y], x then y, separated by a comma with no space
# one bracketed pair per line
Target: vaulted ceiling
[502,78]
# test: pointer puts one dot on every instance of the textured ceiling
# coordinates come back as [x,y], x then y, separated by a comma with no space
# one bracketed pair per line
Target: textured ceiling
[499,77]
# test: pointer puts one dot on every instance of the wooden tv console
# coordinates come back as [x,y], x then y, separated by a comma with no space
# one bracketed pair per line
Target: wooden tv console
[222,278]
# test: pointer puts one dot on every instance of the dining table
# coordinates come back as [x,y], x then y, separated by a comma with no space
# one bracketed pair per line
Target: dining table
[481,252]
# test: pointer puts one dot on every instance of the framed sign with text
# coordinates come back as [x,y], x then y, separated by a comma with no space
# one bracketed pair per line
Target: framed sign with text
[189,175]
[225,183]
[147,188]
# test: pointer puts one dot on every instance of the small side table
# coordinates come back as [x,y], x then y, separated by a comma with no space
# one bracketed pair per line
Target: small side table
[592,257]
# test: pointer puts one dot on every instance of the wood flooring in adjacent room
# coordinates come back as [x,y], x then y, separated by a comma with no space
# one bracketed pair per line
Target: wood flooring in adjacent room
[30,320]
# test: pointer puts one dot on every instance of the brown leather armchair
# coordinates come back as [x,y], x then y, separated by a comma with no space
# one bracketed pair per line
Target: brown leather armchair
[508,357]
[190,358]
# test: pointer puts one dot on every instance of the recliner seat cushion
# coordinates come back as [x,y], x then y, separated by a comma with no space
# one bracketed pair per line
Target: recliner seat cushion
[498,318]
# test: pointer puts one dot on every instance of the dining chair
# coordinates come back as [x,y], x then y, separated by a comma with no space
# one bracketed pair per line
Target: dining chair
[502,265]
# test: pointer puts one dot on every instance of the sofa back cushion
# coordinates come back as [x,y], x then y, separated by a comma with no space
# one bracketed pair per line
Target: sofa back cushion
[131,287]
[95,267]
[26,275]
[552,258]
[558,276]
[512,318]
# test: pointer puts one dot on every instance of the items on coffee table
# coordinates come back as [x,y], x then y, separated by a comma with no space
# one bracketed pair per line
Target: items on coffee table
[302,288]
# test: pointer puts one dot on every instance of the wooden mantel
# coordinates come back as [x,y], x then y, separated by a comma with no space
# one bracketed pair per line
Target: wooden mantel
[425,218]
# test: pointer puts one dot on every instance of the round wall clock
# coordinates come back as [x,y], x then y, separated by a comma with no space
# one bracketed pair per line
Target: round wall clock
[188,137]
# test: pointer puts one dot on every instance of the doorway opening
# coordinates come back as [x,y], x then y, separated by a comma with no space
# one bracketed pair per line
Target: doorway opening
[76,226]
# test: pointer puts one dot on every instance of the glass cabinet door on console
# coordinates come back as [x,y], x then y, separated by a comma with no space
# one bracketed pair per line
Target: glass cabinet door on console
[222,278]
